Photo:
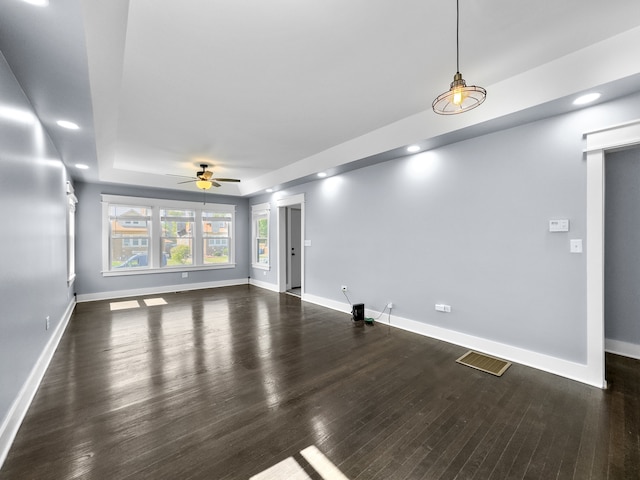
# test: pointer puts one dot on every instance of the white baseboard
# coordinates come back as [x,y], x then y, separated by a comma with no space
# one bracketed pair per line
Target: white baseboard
[325,302]
[92,297]
[557,366]
[625,349]
[21,404]
[267,286]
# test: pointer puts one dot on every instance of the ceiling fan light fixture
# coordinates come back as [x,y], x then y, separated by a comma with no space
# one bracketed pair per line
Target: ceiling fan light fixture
[204,184]
[460,97]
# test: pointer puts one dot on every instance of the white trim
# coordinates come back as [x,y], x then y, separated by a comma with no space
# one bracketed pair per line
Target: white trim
[326,302]
[265,285]
[290,201]
[281,247]
[154,253]
[547,363]
[595,263]
[166,203]
[614,137]
[598,142]
[626,349]
[91,297]
[260,209]
[21,404]
[168,269]
[72,201]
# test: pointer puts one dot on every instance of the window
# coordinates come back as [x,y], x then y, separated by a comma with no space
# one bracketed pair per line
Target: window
[72,201]
[177,236]
[216,231]
[130,229]
[143,235]
[260,233]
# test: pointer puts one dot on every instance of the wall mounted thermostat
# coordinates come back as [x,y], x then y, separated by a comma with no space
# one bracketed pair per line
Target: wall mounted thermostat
[559,225]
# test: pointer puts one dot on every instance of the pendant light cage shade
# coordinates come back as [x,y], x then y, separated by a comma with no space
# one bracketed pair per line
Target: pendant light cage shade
[459,98]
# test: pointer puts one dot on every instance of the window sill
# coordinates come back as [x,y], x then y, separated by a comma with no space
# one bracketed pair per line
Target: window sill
[146,271]
[260,266]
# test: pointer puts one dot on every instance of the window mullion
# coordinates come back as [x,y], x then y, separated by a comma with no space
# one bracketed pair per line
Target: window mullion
[198,242]
[155,247]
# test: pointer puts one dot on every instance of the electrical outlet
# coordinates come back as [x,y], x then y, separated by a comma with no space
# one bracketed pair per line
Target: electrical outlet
[441,307]
[185,274]
[47,323]
[344,288]
[390,305]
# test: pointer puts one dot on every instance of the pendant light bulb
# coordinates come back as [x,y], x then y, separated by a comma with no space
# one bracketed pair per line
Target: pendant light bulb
[457,97]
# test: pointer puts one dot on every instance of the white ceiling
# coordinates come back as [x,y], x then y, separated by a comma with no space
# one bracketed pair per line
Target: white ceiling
[272,92]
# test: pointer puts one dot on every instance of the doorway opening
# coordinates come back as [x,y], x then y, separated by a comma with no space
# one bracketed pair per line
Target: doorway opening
[621,261]
[290,228]
[599,143]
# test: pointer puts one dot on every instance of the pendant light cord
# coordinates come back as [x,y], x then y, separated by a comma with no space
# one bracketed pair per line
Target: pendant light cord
[458,36]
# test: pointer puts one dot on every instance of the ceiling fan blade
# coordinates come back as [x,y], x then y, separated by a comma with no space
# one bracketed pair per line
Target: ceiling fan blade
[214,183]
[188,181]
[226,179]
[174,175]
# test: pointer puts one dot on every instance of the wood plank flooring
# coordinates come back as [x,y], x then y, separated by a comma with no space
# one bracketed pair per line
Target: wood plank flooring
[225,383]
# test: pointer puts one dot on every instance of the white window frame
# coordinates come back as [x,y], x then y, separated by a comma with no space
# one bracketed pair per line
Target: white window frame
[257,211]
[154,254]
[72,201]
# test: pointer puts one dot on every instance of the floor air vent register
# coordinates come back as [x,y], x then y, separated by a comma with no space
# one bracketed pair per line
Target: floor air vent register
[485,363]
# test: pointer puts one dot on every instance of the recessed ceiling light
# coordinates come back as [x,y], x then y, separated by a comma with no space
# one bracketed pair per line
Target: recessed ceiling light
[588,98]
[322,174]
[82,166]
[37,3]
[67,124]
[17,115]
[413,148]
[269,190]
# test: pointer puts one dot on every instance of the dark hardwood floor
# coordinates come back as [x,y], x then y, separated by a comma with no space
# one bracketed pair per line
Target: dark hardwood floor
[225,383]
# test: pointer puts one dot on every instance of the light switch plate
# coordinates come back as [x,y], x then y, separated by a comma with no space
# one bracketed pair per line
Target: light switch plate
[561,225]
[575,245]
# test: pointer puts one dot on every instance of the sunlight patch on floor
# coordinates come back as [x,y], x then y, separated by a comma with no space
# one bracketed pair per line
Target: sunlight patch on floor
[288,468]
[291,470]
[124,305]
[150,302]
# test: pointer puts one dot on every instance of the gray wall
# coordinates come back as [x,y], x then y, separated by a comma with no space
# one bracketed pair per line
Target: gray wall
[622,246]
[89,241]
[33,276]
[466,225]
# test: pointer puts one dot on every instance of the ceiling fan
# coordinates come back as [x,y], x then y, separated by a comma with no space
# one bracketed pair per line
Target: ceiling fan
[205,179]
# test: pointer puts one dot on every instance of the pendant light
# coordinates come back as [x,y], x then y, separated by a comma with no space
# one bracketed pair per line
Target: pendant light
[460,97]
